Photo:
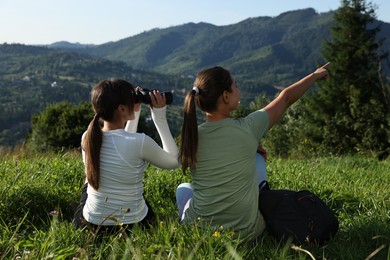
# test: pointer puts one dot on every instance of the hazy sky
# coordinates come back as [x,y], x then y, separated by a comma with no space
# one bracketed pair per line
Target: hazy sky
[100,21]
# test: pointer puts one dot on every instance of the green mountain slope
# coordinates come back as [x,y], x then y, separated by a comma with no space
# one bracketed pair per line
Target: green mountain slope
[263,53]
[33,77]
[250,48]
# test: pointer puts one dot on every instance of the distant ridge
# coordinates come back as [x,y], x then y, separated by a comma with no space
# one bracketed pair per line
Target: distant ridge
[69,45]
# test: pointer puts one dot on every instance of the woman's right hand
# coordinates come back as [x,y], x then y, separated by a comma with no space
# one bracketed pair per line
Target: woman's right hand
[322,72]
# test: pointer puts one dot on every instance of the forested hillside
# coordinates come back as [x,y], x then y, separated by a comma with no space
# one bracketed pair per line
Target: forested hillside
[33,77]
[256,48]
[264,54]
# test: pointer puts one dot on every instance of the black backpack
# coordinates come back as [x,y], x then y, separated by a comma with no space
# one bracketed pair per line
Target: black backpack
[298,214]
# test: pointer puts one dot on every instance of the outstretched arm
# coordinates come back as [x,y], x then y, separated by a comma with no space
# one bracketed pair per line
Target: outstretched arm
[292,93]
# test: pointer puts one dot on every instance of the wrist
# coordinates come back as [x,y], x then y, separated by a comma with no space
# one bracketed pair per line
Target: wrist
[159,112]
[315,76]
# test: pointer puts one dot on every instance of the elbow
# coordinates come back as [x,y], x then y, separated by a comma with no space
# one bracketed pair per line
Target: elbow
[287,98]
[174,165]
[177,162]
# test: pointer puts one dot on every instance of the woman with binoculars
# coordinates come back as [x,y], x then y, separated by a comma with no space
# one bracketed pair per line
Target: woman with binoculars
[115,157]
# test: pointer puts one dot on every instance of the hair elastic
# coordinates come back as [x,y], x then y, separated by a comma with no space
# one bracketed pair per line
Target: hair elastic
[96,116]
[196,89]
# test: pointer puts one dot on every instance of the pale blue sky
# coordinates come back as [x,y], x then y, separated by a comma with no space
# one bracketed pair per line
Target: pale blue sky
[101,21]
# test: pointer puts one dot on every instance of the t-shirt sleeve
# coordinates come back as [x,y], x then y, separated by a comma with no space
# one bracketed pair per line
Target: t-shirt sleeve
[82,146]
[160,121]
[131,125]
[258,122]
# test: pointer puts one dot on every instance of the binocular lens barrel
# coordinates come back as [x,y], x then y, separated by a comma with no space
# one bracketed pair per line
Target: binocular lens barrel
[143,97]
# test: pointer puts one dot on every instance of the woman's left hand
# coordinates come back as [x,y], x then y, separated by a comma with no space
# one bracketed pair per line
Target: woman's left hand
[262,151]
[157,99]
[137,106]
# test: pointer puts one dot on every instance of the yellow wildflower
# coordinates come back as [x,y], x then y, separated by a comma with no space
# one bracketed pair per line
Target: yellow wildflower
[217,234]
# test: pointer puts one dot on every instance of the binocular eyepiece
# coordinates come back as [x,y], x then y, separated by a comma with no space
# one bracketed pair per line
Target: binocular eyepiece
[142,96]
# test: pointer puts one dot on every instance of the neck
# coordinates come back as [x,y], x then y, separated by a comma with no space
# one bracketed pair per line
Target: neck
[222,112]
[109,126]
[216,116]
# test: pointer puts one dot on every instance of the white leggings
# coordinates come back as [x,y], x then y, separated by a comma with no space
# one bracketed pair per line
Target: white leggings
[184,191]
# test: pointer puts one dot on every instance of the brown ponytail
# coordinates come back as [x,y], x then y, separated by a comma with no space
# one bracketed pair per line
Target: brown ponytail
[189,133]
[208,87]
[91,144]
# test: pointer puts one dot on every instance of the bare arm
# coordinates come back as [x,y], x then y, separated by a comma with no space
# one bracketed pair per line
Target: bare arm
[292,93]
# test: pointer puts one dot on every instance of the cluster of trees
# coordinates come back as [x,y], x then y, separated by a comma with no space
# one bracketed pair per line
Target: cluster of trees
[348,113]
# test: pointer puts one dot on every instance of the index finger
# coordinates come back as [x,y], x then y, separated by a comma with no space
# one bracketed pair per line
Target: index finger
[326,65]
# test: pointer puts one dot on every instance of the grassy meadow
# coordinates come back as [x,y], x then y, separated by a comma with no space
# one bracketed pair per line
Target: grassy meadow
[39,194]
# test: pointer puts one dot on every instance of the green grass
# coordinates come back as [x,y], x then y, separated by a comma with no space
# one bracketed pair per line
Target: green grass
[40,192]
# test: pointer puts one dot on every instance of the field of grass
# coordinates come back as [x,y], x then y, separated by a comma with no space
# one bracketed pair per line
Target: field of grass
[40,192]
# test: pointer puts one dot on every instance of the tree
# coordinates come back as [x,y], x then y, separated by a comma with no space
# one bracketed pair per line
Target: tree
[348,113]
[60,125]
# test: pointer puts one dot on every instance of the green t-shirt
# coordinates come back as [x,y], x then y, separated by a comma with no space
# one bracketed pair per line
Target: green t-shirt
[224,181]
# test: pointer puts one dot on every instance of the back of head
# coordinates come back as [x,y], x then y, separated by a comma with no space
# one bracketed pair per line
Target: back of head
[106,96]
[212,83]
[209,85]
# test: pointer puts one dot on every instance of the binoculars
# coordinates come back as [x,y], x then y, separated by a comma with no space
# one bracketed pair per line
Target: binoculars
[142,96]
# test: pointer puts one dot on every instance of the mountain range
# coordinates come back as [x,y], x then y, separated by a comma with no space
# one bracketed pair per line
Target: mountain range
[261,51]
[264,54]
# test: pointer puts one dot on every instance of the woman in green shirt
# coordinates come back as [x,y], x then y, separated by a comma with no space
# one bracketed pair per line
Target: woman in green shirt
[221,153]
